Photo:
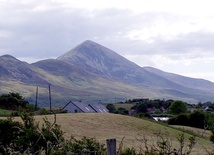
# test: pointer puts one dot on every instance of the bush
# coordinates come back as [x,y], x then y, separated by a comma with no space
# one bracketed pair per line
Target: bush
[85,145]
[28,138]
[162,146]
[9,131]
[182,119]
[198,119]
[128,151]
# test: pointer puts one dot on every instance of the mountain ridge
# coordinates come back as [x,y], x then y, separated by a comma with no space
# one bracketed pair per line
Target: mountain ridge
[93,72]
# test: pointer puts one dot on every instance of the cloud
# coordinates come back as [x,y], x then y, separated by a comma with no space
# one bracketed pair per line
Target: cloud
[51,27]
[170,35]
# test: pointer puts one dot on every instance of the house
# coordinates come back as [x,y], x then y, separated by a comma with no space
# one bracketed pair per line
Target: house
[151,110]
[81,107]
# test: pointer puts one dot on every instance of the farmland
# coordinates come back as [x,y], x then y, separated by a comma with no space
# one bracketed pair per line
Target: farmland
[133,130]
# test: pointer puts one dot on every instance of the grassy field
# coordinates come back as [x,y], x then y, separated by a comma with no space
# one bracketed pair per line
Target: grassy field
[195,131]
[123,105]
[5,112]
[105,126]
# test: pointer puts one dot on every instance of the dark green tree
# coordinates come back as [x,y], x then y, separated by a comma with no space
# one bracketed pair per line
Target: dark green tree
[111,108]
[198,119]
[141,107]
[181,119]
[122,111]
[12,101]
[177,107]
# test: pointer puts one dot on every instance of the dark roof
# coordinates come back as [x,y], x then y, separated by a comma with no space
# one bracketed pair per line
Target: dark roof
[87,108]
[98,107]
[83,106]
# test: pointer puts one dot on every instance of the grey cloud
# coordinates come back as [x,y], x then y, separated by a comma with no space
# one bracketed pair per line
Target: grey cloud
[192,42]
[55,31]
[52,31]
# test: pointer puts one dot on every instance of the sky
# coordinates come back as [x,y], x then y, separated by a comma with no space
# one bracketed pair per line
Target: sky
[175,36]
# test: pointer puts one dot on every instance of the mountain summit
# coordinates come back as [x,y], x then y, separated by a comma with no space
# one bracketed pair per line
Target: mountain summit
[97,58]
[100,60]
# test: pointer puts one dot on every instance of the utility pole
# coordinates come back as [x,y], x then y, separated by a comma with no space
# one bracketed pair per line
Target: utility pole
[50,97]
[36,98]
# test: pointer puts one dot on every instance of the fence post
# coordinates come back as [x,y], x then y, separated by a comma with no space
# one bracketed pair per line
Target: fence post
[111,146]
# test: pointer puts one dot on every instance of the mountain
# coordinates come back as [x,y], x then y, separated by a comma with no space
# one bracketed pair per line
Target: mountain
[105,62]
[93,72]
[182,80]
[14,69]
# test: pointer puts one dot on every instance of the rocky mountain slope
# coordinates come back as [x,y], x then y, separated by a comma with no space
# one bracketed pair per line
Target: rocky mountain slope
[93,72]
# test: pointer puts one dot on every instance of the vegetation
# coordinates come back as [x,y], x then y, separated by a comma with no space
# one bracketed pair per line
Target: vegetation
[198,119]
[103,126]
[4,112]
[28,136]
[111,108]
[163,146]
[177,107]
[140,106]
[13,101]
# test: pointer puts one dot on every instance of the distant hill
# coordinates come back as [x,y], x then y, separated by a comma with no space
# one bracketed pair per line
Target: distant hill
[92,72]
[14,69]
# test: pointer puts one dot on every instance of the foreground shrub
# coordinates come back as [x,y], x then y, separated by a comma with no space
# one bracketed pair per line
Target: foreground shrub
[161,146]
[85,145]
[29,138]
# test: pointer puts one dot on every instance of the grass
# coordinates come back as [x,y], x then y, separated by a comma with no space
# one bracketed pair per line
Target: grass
[5,112]
[106,126]
[127,106]
[195,131]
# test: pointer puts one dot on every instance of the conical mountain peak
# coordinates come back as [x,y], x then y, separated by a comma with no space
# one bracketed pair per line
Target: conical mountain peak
[96,58]
[88,48]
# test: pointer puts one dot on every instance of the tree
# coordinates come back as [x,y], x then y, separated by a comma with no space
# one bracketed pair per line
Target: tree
[181,119]
[198,119]
[111,108]
[141,107]
[177,107]
[122,111]
[13,101]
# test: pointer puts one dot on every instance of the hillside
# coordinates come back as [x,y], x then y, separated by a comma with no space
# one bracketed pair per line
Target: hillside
[92,72]
[14,69]
[105,126]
